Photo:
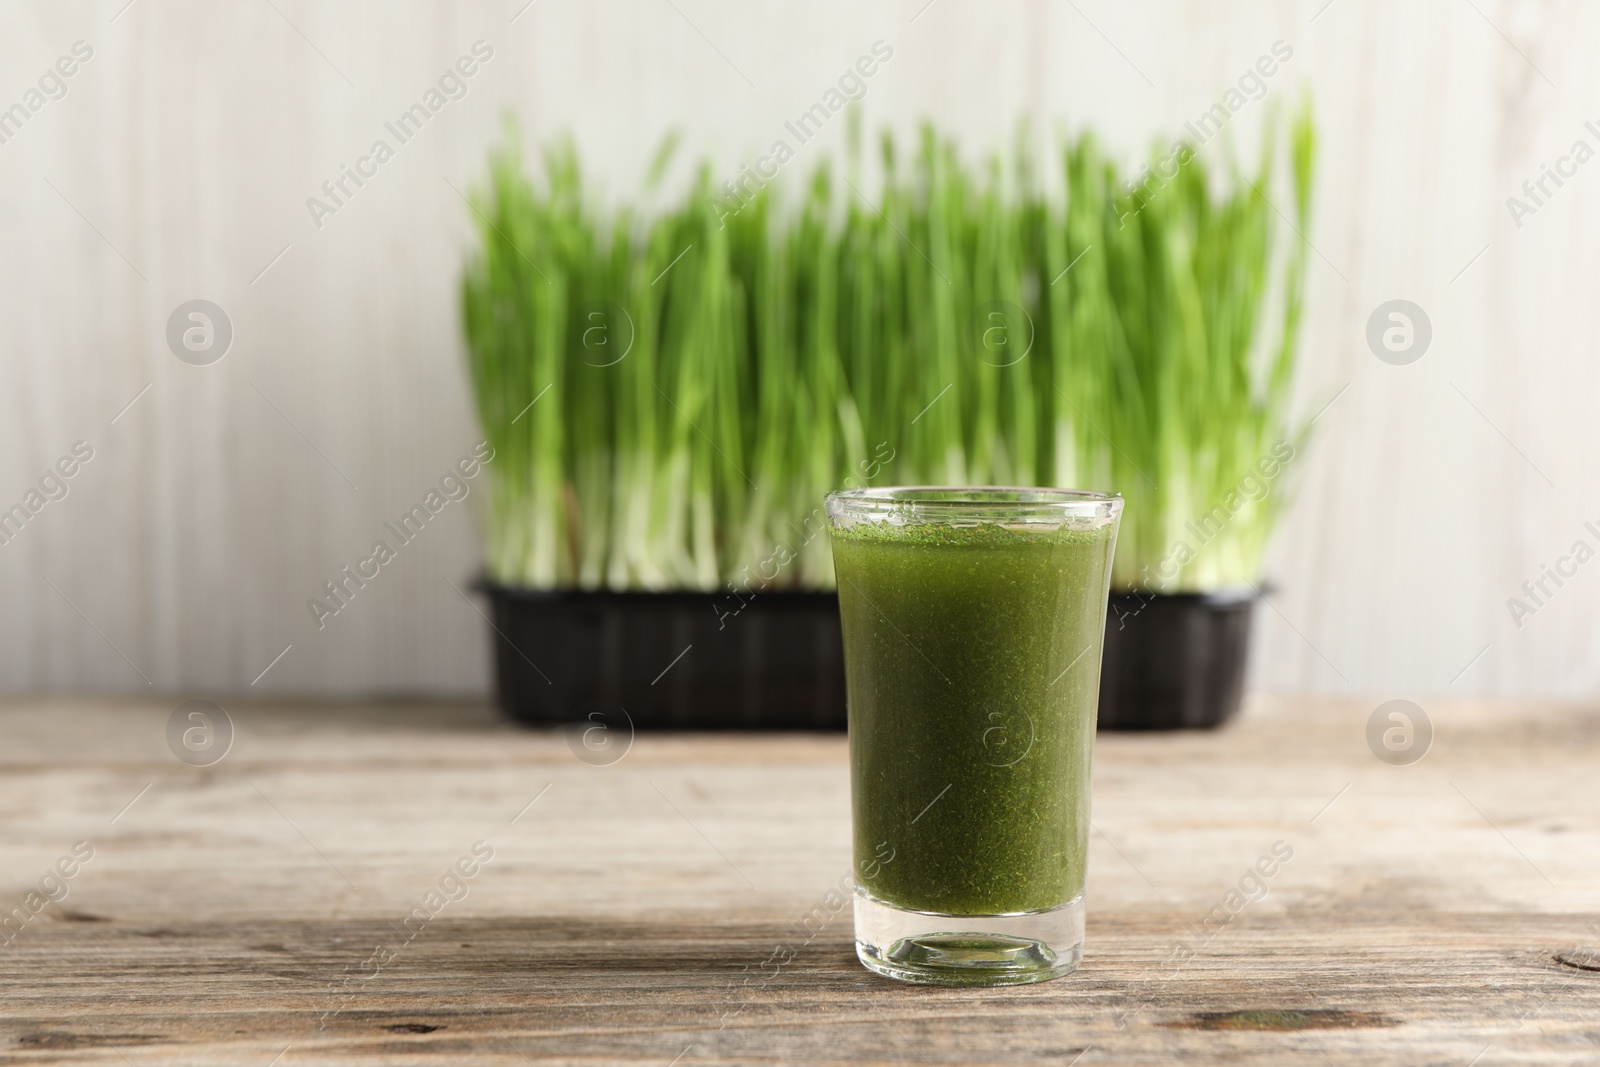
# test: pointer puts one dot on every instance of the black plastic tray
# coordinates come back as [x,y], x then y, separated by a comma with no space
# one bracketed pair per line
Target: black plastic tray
[1173,661]
[708,661]
[701,661]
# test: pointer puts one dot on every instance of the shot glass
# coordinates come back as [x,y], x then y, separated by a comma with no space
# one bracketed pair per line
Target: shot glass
[973,620]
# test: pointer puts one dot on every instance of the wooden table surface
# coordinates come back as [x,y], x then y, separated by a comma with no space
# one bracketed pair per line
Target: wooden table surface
[294,903]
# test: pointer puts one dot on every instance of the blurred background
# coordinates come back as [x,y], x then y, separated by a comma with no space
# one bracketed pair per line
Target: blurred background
[176,161]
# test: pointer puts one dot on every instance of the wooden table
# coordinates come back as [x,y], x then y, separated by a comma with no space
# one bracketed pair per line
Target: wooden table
[1439,913]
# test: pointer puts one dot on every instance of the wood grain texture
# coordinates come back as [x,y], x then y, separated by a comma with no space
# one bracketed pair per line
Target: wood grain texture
[1430,914]
[179,163]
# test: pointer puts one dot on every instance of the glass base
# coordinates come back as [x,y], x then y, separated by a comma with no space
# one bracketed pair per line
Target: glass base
[969,950]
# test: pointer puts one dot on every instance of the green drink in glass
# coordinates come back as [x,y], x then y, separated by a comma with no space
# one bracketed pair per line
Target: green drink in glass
[973,621]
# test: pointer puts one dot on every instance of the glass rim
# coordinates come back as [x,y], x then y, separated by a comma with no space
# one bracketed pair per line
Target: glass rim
[972,503]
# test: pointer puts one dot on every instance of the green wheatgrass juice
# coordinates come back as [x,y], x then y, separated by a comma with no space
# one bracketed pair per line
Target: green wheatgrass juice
[972,657]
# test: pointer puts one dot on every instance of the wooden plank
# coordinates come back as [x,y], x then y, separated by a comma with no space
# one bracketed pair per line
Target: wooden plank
[1429,914]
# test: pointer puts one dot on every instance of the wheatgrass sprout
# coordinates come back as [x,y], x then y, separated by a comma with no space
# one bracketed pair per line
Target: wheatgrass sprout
[670,391]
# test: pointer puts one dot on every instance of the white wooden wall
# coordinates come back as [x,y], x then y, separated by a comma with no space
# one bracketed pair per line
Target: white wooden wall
[179,162]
